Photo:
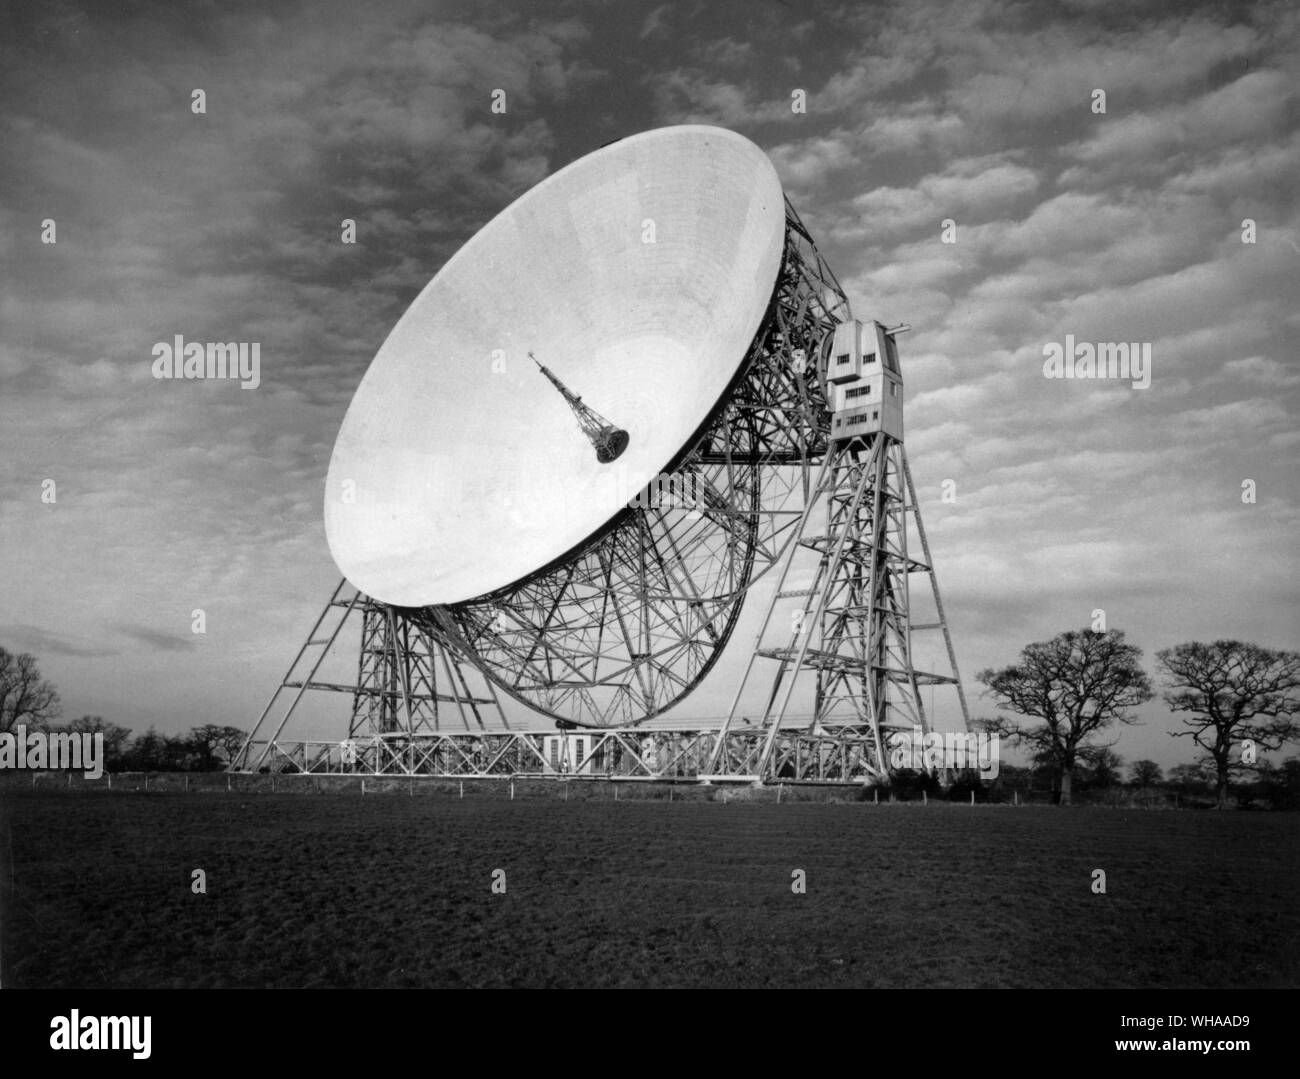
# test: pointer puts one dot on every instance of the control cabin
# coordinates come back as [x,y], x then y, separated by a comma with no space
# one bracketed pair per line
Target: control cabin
[864,386]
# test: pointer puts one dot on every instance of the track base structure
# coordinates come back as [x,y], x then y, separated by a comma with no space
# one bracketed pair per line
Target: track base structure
[678,756]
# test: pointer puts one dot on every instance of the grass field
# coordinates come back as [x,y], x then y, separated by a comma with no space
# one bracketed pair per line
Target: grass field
[341,890]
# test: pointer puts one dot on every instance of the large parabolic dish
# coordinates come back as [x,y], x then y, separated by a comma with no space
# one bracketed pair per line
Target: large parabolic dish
[639,275]
[658,280]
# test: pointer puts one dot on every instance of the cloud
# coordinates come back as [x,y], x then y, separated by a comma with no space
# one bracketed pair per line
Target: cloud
[689,96]
[808,163]
[163,642]
[866,79]
[968,191]
[1012,75]
[1175,139]
[725,52]
[655,24]
[921,126]
[1261,370]
[28,638]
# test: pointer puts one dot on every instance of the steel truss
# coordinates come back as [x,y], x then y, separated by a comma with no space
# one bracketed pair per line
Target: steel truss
[407,686]
[850,629]
[626,626]
[610,754]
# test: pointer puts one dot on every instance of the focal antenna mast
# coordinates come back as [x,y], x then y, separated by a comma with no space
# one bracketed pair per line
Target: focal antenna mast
[609,441]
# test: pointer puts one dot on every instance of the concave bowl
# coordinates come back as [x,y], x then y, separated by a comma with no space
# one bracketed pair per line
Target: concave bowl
[639,275]
[462,488]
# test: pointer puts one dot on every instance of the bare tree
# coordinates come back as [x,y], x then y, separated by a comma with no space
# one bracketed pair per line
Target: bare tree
[1078,684]
[114,737]
[1105,767]
[1145,774]
[1235,693]
[25,697]
[154,752]
[214,746]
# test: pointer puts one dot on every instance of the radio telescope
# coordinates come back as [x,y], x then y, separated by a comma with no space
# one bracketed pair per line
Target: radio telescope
[629,397]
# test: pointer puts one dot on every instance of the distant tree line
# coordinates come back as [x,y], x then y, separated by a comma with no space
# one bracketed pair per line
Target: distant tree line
[1236,701]
[27,699]
[209,748]
[1266,786]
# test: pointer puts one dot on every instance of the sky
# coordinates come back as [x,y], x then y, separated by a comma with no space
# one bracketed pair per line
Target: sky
[975,123]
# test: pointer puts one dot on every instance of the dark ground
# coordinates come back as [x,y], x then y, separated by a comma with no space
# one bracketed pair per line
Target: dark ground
[341,890]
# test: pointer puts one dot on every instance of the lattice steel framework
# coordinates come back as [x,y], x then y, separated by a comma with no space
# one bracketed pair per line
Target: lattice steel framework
[616,754]
[408,685]
[622,629]
[625,626]
[851,628]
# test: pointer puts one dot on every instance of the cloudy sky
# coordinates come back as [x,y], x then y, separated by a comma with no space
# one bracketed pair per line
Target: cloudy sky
[1122,225]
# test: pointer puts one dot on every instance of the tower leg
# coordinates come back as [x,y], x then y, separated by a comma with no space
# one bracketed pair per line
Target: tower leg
[408,693]
[848,641]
